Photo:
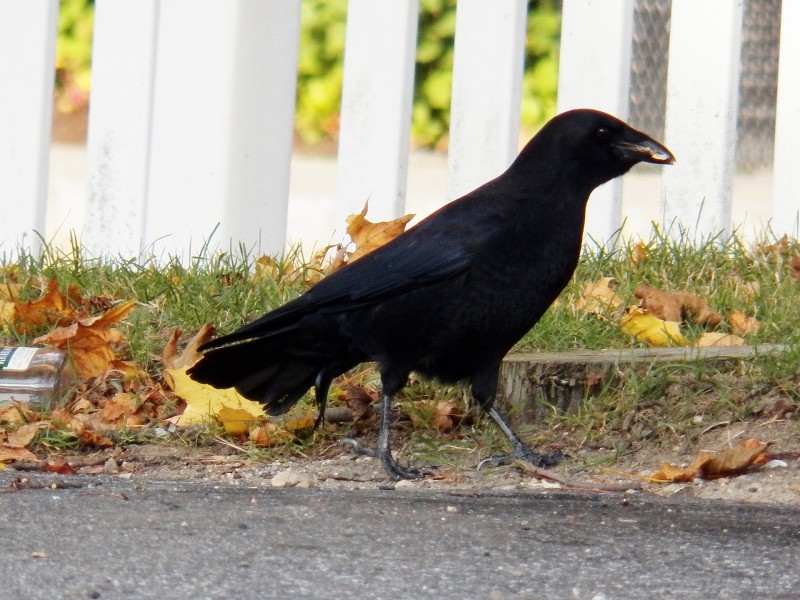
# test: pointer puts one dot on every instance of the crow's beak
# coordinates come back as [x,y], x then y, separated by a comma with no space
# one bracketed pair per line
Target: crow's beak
[647,150]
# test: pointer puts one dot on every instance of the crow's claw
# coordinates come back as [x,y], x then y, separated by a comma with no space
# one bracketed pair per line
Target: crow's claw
[390,465]
[523,453]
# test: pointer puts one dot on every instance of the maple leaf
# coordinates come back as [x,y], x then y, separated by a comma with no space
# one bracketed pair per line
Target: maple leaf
[367,236]
[203,402]
[91,342]
[51,309]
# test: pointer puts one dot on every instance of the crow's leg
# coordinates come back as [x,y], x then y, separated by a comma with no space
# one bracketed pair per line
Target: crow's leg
[321,386]
[521,449]
[383,451]
[484,388]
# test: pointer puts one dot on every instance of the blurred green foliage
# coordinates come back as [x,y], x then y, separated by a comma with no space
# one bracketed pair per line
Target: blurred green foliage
[321,69]
[74,53]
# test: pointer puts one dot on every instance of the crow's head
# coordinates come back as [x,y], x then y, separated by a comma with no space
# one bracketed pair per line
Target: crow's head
[595,147]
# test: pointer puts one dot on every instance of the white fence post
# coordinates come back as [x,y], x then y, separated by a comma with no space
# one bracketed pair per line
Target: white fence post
[376,107]
[219,147]
[487,85]
[702,100]
[786,165]
[120,125]
[594,72]
[28,48]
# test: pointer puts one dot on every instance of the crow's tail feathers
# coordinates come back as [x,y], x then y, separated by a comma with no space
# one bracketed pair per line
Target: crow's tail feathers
[261,372]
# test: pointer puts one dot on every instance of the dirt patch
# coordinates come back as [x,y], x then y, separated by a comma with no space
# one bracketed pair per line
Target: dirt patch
[334,466]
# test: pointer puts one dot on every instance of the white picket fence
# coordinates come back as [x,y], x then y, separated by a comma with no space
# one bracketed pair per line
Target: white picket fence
[193,101]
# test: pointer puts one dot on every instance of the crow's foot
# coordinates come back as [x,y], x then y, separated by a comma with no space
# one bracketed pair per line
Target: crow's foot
[523,453]
[390,465]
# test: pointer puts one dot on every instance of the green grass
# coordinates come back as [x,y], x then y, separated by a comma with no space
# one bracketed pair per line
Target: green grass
[656,402]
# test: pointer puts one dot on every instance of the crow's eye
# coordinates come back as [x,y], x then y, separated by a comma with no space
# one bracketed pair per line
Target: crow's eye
[603,133]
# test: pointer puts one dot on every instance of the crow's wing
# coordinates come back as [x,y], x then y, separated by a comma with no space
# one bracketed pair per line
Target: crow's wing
[433,251]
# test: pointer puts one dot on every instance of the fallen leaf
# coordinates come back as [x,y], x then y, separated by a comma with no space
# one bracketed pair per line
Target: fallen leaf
[796,268]
[599,298]
[58,465]
[645,327]
[25,434]
[447,415]
[51,309]
[741,324]
[12,453]
[269,434]
[17,412]
[367,236]
[677,306]
[91,342]
[638,254]
[713,465]
[719,339]
[203,402]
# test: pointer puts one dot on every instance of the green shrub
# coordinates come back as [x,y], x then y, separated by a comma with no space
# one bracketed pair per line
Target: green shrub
[74,54]
[320,69]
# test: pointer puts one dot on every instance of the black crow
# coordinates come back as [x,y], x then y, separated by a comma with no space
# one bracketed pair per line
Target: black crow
[448,298]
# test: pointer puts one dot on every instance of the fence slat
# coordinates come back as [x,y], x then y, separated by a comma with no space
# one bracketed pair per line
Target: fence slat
[702,98]
[487,86]
[120,125]
[219,147]
[376,107]
[594,72]
[786,174]
[28,48]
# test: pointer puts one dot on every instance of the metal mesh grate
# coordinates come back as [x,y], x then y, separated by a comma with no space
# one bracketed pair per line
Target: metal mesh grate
[757,84]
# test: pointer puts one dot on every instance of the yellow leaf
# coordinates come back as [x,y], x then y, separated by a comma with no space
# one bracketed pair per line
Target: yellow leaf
[599,298]
[8,312]
[717,338]
[367,236]
[643,326]
[203,402]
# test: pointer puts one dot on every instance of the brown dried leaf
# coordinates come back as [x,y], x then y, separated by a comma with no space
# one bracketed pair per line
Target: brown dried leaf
[190,354]
[25,434]
[447,416]
[796,268]
[12,453]
[367,236]
[91,342]
[677,306]
[707,465]
[51,309]
[58,465]
[741,324]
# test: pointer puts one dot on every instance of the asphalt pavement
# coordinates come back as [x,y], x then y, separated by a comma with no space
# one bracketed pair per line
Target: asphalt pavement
[104,537]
